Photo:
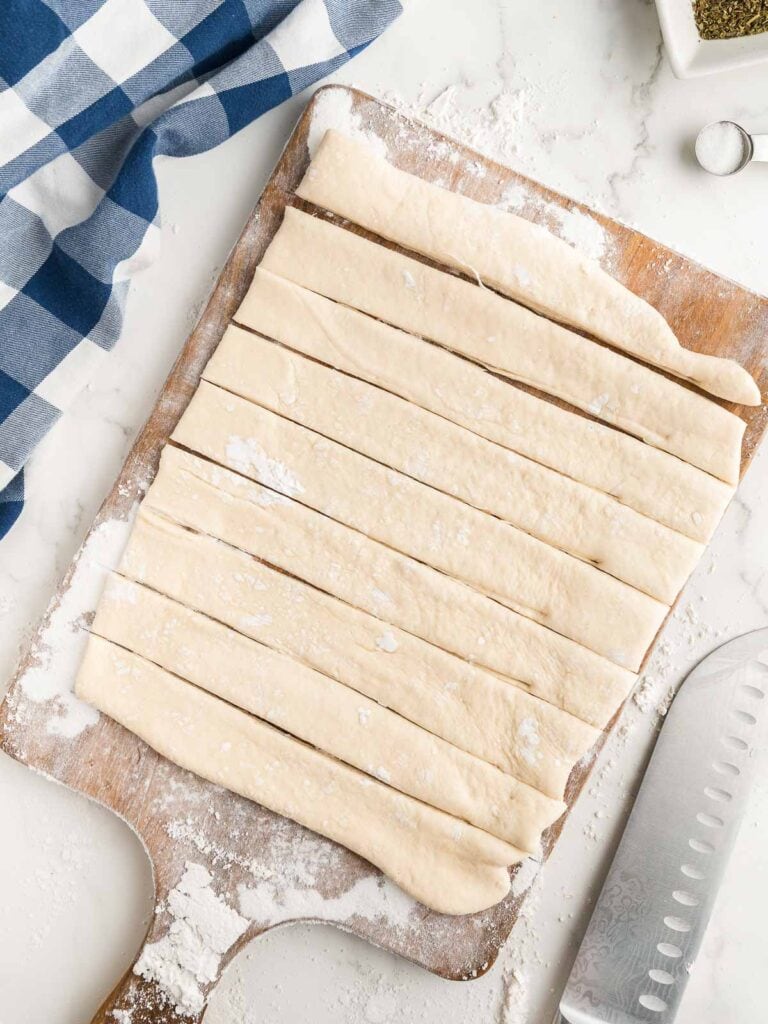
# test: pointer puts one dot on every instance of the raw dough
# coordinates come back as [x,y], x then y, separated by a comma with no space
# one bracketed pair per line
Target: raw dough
[577,519]
[508,338]
[404,593]
[472,709]
[573,598]
[390,586]
[648,480]
[512,255]
[324,713]
[450,866]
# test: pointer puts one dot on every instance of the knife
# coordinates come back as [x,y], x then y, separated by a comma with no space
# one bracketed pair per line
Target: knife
[649,920]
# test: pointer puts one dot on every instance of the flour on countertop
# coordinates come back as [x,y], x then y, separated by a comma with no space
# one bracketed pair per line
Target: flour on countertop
[496,128]
[492,128]
[59,649]
[203,927]
[521,949]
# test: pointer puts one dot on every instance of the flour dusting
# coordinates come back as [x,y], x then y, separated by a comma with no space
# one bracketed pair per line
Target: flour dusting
[245,453]
[387,642]
[203,927]
[59,650]
[493,128]
[530,740]
[499,127]
[371,899]
[521,950]
[581,231]
[333,109]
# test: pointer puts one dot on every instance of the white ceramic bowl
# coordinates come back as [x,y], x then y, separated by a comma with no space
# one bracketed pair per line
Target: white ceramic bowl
[691,56]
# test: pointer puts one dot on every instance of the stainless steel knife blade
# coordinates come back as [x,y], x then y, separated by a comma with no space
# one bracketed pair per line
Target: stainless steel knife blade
[649,920]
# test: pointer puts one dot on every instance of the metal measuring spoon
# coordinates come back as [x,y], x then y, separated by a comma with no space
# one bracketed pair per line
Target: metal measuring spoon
[724,147]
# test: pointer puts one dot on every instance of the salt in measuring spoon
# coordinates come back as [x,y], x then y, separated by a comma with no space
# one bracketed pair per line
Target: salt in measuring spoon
[724,147]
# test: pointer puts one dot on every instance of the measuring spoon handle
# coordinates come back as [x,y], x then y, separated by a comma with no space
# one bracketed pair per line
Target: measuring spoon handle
[760,148]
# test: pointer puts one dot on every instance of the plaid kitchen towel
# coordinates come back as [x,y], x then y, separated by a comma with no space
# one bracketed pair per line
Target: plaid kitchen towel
[90,92]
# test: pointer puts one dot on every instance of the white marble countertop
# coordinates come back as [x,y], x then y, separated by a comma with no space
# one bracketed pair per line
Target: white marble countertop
[580,96]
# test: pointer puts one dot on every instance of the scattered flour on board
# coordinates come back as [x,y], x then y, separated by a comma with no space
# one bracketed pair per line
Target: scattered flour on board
[59,650]
[581,231]
[498,128]
[203,927]
[333,109]
[371,898]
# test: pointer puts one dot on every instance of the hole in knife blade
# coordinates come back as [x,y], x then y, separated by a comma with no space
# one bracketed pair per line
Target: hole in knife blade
[744,716]
[652,1003]
[677,924]
[710,820]
[662,977]
[717,794]
[752,691]
[691,872]
[669,949]
[726,768]
[687,899]
[701,846]
[735,742]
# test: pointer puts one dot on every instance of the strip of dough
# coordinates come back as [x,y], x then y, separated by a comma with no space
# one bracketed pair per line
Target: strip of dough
[409,595]
[650,481]
[324,713]
[513,255]
[472,709]
[553,588]
[647,479]
[450,866]
[508,338]
[577,519]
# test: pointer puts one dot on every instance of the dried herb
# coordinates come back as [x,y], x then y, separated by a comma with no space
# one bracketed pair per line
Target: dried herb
[729,19]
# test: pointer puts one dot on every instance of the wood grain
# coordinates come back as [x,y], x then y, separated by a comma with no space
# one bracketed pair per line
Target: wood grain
[181,818]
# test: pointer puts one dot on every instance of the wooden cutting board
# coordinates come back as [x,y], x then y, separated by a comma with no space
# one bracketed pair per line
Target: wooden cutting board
[288,872]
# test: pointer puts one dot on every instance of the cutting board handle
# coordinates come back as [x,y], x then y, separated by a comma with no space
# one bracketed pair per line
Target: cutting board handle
[138,1001]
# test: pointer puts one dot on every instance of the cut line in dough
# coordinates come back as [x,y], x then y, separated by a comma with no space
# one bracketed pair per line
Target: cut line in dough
[555,589]
[450,866]
[652,482]
[472,709]
[511,254]
[553,508]
[508,338]
[400,592]
[324,713]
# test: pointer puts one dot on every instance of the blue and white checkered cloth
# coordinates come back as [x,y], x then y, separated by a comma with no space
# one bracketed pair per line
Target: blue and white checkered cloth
[90,92]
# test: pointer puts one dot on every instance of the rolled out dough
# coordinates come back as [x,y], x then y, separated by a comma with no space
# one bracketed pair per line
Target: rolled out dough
[449,865]
[511,254]
[324,713]
[646,479]
[557,510]
[472,709]
[573,598]
[404,593]
[508,338]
